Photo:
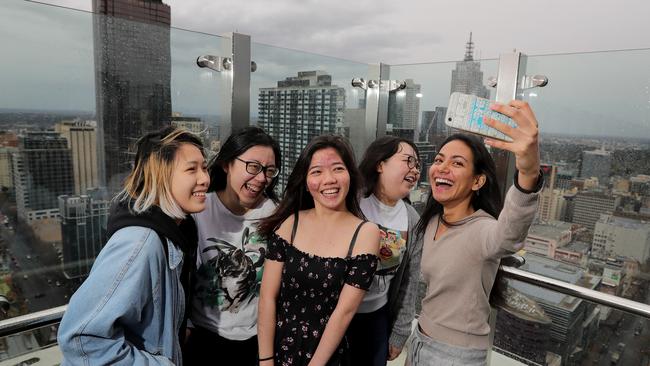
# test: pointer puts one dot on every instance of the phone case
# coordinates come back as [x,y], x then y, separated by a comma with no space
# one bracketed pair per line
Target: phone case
[465,112]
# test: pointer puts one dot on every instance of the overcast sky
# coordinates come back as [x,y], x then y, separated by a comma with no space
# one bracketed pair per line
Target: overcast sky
[419,31]
[48,52]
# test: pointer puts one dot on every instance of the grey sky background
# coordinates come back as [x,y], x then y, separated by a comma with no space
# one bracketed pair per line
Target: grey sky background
[419,31]
[48,60]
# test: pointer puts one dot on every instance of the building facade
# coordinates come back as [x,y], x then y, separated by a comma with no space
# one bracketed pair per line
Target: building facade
[589,205]
[467,77]
[42,171]
[132,79]
[82,141]
[300,108]
[621,236]
[83,231]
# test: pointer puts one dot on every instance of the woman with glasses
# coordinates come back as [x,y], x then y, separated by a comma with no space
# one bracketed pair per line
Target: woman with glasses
[230,251]
[377,333]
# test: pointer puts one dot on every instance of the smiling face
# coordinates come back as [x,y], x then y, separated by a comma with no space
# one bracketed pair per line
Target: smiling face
[452,175]
[396,179]
[190,179]
[244,190]
[328,179]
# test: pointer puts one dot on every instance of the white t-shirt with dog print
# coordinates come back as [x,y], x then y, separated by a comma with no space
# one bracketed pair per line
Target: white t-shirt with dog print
[229,269]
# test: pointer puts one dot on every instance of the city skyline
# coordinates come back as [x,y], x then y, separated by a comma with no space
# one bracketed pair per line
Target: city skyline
[615,103]
[380,31]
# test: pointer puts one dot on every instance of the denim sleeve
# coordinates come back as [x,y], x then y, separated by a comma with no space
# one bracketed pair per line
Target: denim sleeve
[122,283]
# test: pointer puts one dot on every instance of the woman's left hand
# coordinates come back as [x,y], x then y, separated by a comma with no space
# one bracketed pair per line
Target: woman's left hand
[524,144]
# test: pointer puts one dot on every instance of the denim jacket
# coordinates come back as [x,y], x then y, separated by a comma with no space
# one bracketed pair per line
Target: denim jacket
[130,308]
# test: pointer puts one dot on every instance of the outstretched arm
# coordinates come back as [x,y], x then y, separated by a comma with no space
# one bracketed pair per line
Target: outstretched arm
[521,203]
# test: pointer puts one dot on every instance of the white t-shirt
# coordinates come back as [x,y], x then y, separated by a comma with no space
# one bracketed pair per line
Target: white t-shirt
[393,226]
[229,269]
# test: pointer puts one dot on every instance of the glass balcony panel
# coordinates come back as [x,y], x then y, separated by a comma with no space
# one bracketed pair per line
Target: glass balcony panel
[536,326]
[78,90]
[289,83]
[594,211]
[34,347]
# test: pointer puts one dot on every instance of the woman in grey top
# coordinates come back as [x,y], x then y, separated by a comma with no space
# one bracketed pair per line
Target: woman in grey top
[377,333]
[463,240]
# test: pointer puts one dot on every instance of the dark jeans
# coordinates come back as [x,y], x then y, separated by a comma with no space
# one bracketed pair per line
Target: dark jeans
[368,338]
[206,348]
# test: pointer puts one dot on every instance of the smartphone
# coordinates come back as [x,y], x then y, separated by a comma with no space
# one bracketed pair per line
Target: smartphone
[465,112]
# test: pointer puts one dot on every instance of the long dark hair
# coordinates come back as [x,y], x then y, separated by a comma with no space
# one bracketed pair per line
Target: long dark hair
[488,197]
[237,144]
[296,197]
[380,150]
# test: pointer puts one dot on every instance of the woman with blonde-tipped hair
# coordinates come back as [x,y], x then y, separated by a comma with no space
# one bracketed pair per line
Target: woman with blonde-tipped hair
[131,308]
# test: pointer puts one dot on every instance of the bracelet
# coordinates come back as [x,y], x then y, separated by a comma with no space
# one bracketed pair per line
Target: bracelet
[538,187]
[265,359]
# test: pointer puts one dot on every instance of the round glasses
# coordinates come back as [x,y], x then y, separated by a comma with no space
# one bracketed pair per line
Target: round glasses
[413,162]
[254,168]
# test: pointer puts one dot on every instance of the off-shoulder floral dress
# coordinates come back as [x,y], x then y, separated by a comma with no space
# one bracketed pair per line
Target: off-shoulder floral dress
[309,291]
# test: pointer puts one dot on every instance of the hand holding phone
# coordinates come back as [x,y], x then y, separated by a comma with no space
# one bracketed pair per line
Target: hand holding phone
[465,112]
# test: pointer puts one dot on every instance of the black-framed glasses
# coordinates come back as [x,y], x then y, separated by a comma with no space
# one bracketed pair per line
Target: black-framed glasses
[254,168]
[413,162]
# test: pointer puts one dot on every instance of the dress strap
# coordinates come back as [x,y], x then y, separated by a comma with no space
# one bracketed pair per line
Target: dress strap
[354,239]
[294,229]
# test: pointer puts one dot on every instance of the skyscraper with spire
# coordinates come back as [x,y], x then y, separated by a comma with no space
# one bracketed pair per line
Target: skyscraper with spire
[467,77]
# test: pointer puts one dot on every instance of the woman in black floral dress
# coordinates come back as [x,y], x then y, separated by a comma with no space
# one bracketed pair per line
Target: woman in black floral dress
[321,260]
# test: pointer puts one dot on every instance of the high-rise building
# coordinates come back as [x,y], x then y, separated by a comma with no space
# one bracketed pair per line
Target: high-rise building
[82,141]
[132,79]
[42,171]
[6,179]
[640,185]
[550,173]
[192,124]
[83,230]
[300,108]
[426,125]
[615,235]
[467,77]
[596,163]
[438,131]
[427,154]
[404,111]
[589,205]
[522,327]
[551,205]
[573,319]
[544,239]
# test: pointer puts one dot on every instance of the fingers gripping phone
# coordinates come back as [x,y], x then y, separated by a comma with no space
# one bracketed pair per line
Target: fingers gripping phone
[465,112]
